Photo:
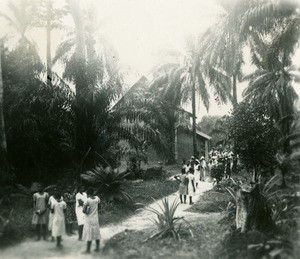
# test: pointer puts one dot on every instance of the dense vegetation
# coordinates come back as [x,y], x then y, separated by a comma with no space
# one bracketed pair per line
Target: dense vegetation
[54,128]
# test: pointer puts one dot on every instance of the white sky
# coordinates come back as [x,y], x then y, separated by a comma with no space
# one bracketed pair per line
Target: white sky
[140,28]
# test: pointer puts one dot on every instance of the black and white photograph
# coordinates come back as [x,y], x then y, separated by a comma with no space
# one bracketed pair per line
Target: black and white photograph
[156,129]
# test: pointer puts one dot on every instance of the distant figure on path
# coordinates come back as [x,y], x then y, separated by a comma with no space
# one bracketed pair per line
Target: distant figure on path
[40,201]
[183,186]
[80,198]
[183,165]
[191,185]
[197,172]
[58,227]
[202,169]
[69,198]
[91,229]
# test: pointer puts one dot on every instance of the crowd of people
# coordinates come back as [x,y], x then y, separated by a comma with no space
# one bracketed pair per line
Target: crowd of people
[195,170]
[192,172]
[56,214]
[226,159]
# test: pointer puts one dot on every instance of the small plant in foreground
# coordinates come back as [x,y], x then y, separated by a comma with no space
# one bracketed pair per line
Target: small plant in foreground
[166,221]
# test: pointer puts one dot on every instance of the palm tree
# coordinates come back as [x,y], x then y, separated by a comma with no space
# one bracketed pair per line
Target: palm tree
[21,17]
[49,17]
[20,20]
[3,144]
[87,67]
[272,81]
[221,46]
[175,84]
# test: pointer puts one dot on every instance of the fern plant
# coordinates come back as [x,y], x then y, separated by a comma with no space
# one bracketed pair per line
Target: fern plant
[108,183]
[168,225]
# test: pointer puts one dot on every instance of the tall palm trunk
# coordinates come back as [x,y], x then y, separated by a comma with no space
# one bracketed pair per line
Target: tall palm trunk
[80,80]
[3,143]
[86,138]
[234,92]
[48,32]
[194,118]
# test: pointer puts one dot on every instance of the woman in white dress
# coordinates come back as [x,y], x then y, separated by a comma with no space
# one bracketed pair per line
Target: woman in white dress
[191,184]
[183,186]
[51,201]
[91,230]
[58,226]
[80,198]
[197,172]
[39,218]
[202,169]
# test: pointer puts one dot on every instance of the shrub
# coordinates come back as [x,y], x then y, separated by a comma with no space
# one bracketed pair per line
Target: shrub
[108,183]
[166,221]
[135,158]
[154,173]
[15,222]
[217,172]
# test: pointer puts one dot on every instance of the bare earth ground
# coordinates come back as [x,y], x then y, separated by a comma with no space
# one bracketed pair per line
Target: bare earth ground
[73,248]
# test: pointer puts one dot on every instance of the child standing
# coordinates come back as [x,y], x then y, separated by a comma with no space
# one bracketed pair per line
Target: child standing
[202,169]
[69,198]
[58,225]
[183,186]
[52,200]
[197,172]
[191,185]
[80,198]
[40,201]
[91,230]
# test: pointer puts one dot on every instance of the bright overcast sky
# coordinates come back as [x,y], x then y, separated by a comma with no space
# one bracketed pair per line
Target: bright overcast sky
[138,29]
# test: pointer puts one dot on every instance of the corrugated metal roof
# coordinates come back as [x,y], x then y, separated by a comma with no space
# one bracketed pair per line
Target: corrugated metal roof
[202,134]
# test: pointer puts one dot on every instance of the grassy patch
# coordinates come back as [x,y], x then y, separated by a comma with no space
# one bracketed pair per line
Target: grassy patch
[130,244]
[19,214]
[141,192]
[211,201]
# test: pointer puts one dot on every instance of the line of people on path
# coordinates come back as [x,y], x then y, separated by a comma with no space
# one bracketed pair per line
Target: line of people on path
[192,173]
[58,212]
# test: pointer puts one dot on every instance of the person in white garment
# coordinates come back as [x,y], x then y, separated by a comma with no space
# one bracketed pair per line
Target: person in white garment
[58,226]
[197,172]
[202,169]
[91,229]
[80,198]
[51,201]
[191,184]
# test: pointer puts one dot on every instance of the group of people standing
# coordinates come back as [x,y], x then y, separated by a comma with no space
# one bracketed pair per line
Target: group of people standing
[191,173]
[58,212]
[226,158]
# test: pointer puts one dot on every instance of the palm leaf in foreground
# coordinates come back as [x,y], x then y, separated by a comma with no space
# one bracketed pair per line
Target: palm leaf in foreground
[166,221]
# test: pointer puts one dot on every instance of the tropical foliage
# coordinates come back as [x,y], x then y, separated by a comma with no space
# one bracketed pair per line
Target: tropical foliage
[167,223]
[218,128]
[107,182]
[254,136]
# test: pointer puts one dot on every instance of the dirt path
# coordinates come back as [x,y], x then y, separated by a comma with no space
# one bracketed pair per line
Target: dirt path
[73,248]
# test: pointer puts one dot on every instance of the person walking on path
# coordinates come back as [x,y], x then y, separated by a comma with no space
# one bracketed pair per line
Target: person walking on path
[191,185]
[197,172]
[80,198]
[202,169]
[39,219]
[91,229]
[69,198]
[183,165]
[183,186]
[58,228]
